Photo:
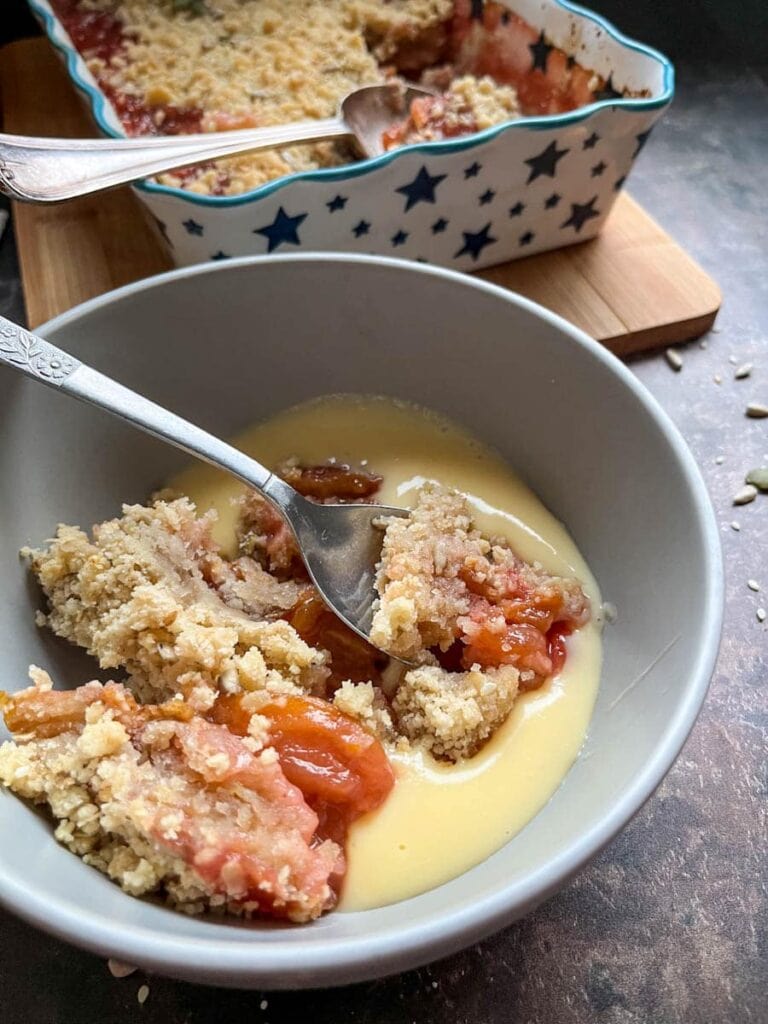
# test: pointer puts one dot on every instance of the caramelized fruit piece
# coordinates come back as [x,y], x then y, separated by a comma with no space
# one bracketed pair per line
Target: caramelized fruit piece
[330,757]
[46,713]
[336,482]
[351,657]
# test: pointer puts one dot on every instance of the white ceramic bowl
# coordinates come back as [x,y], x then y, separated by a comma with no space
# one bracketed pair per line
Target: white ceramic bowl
[489,197]
[225,344]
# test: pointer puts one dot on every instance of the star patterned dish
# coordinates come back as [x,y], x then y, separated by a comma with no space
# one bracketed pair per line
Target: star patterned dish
[522,187]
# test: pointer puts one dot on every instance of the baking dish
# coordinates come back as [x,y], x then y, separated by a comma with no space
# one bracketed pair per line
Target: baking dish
[522,187]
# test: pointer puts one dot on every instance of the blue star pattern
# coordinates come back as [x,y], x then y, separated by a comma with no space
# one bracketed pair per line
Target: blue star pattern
[421,189]
[283,229]
[476,241]
[642,138]
[545,162]
[540,51]
[163,229]
[580,214]
[608,92]
[337,203]
[552,188]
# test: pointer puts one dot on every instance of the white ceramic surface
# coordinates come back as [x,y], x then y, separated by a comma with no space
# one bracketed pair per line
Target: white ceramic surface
[523,187]
[225,344]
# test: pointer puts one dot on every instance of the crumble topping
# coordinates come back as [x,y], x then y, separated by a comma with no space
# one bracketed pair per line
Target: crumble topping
[184,808]
[253,726]
[151,594]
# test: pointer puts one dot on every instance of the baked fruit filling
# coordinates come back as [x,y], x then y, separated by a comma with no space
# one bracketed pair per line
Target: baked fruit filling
[179,66]
[251,728]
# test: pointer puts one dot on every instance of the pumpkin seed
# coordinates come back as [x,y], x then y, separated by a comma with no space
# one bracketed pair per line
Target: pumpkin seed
[745,495]
[758,477]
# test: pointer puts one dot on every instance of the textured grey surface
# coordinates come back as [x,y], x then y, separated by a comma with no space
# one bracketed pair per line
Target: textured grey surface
[670,924]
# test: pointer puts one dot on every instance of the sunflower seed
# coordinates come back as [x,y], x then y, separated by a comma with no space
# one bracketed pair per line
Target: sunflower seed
[761,614]
[753,585]
[742,371]
[674,359]
[758,477]
[747,493]
[757,410]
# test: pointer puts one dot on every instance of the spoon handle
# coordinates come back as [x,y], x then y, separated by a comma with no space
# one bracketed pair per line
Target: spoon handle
[43,362]
[50,170]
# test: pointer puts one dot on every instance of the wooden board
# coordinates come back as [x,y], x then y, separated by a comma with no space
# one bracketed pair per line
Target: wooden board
[632,288]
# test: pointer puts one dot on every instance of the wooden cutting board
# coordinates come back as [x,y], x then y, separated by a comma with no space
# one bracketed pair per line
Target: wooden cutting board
[632,288]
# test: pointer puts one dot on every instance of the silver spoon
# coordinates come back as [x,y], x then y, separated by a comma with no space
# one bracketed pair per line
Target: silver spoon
[49,170]
[339,543]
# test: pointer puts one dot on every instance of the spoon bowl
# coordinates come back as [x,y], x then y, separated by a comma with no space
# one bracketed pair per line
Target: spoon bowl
[52,170]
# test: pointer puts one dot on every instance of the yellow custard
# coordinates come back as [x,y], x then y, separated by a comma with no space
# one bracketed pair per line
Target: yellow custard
[440,819]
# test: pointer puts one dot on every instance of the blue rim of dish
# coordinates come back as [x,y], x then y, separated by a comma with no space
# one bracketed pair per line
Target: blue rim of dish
[99,103]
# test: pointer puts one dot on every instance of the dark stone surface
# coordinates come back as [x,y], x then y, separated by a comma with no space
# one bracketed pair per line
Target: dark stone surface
[670,924]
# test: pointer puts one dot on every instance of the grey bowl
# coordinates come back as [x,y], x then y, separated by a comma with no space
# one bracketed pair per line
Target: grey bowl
[225,344]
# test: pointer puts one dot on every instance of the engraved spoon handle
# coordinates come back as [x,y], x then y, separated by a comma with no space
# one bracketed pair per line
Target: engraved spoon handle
[43,362]
[50,170]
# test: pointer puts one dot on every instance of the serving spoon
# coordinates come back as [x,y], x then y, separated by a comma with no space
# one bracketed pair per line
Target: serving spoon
[50,170]
[340,544]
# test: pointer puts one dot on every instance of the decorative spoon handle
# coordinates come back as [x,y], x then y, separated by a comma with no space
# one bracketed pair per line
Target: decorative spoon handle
[49,170]
[37,358]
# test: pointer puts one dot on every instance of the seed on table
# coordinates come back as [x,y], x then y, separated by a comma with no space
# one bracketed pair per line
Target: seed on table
[735,526]
[758,477]
[743,371]
[719,460]
[761,614]
[674,359]
[753,585]
[717,379]
[757,410]
[704,344]
[745,495]
[120,970]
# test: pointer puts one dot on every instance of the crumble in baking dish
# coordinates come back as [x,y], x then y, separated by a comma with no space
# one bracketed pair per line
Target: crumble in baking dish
[172,67]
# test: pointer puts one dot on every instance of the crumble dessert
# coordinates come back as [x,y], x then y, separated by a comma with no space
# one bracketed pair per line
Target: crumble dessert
[179,66]
[253,728]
